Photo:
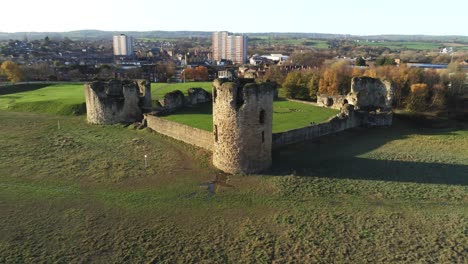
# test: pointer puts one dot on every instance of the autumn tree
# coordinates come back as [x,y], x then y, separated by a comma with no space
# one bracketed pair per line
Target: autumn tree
[12,71]
[201,73]
[336,79]
[417,100]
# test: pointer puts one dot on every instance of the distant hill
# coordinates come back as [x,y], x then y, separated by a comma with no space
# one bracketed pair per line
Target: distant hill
[97,34]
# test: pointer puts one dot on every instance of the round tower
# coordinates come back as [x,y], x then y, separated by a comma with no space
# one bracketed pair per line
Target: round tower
[242,126]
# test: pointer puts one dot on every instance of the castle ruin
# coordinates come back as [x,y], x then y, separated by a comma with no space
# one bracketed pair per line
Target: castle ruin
[117,101]
[242,126]
[366,93]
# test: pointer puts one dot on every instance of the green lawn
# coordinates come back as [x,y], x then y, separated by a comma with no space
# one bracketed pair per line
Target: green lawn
[68,99]
[62,99]
[158,90]
[82,193]
[399,45]
[286,116]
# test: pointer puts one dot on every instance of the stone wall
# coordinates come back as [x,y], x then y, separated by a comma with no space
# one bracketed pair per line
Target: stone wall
[347,119]
[331,101]
[172,101]
[242,126]
[117,101]
[333,125]
[198,96]
[187,134]
[366,93]
[371,93]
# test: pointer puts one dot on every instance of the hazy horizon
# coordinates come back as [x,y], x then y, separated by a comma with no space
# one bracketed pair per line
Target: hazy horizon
[359,17]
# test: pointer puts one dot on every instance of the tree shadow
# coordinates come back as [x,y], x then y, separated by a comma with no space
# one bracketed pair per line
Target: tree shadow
[341,156]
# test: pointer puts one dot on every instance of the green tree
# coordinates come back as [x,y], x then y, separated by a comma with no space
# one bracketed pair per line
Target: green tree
[295,85]
[384,60]
[313,84]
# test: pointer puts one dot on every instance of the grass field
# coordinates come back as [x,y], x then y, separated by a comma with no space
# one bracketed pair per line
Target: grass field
[68,99]
[313,43]
[81,193]
[62,99]
[401,45]
[286,116]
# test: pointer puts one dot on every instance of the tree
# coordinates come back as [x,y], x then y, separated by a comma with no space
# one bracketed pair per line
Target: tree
[385,61]
[336,79]
[275,74]
[417,100]
[295,85]
[360,62]
[201,73]
[12,71]
[313,84]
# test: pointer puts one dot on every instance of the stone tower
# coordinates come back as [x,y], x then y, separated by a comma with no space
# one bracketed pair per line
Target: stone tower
[242,125]
[117,101]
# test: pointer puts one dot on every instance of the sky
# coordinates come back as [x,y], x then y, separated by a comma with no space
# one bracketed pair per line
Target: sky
[355,17]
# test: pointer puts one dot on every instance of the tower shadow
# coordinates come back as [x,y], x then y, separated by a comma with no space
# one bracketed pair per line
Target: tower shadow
[343,156]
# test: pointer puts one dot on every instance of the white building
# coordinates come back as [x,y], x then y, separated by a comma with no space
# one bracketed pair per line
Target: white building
[123,45]
[229,47]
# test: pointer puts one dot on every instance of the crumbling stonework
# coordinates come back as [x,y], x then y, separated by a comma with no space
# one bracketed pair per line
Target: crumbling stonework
[198,96]
[371,94]
[331,101]
[172,101]
[117,101]
[242,126]
[366,93]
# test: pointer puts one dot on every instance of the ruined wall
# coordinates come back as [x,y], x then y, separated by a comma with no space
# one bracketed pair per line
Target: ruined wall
[242,126]
[366,93]
[347,119]
[173,101]
[331,101]
[198,96]
[371,93]
[145,95]
[333,125]
[187,134]
[116,101]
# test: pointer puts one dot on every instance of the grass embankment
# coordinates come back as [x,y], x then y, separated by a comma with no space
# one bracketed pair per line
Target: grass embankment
[57,99]
[81,193]
[286,116]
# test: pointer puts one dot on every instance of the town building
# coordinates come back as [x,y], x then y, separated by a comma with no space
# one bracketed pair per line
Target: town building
[123,45]
[227,46]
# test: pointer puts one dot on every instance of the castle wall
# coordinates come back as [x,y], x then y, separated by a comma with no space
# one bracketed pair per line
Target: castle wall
[242,126]
[331,101]
[145,94]
[187,134]
[371,93]
[334,125]
[116,101]
[347,119]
